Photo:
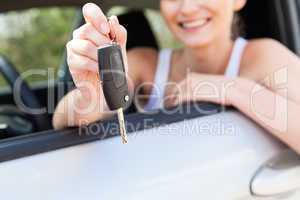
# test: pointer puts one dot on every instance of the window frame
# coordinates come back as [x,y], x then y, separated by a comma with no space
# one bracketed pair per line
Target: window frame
[41,142]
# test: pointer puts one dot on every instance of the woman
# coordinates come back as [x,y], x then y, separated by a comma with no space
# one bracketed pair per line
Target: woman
[258,77]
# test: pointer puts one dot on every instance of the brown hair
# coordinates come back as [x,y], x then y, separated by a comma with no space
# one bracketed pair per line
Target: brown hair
[238,27]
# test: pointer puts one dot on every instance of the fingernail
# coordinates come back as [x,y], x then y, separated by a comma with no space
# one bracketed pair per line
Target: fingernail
[115,18]
[89,9]
[104,28]
[85,7]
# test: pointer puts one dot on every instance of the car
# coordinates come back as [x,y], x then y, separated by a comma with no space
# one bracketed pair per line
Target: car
[193,151]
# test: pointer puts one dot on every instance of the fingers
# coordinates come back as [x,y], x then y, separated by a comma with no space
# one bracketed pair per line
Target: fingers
[112,26]
[94,15]
[111,29]
[172,98]
[178,94]
[118,32]
[88,32]
[79,62]
[83,48]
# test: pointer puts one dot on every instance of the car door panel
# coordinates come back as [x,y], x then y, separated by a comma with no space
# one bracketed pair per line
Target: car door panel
[190,159]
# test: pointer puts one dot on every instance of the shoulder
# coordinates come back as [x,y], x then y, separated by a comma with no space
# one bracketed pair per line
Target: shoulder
[264,56]
[142,63]
[143,52]
[266,47]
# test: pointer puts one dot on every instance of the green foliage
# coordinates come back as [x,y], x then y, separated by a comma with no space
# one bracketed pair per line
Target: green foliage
[38,38]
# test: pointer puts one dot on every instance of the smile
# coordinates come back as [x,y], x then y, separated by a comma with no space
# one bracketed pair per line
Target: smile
[194,24]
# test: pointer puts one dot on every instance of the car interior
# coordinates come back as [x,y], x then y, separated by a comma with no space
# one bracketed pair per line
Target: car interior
[268,18]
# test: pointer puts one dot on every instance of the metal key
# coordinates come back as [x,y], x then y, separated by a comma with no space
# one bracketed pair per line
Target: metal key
[122,126]
[114,83]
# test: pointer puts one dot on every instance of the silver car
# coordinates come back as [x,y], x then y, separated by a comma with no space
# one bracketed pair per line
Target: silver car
[198,151]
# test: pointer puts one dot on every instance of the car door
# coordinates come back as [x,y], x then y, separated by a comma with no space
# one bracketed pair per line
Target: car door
[187,154]
[278,177]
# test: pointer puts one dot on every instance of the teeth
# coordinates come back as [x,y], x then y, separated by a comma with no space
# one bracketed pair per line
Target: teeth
[194,24]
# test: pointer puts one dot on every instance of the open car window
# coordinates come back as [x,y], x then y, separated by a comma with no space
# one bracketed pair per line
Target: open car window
[35,39]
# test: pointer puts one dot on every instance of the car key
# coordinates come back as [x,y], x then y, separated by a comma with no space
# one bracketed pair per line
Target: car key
[114,83]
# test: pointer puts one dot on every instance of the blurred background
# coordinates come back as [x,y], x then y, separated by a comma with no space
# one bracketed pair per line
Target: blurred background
[36,38]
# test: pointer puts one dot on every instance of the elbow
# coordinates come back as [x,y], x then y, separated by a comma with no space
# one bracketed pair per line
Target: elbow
[57,121]
[60,115]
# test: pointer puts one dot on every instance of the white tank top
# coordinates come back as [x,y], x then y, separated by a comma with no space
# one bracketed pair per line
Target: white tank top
[163,68]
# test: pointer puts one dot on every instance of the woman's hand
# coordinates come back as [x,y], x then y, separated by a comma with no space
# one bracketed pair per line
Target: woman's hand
[86,103]
[202,87]
[82,49]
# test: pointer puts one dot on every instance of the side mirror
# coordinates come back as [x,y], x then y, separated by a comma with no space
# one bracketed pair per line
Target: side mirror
[278,176]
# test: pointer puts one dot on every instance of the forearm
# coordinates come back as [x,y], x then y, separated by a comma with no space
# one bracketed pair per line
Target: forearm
[76,110]
[274,112]
[80,108]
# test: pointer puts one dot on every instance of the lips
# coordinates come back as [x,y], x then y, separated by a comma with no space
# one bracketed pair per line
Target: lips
[194,24]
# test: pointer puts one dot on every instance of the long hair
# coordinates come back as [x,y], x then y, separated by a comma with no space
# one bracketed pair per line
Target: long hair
[238,27]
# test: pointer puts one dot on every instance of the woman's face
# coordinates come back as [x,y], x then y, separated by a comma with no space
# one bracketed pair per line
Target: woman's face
[200,22]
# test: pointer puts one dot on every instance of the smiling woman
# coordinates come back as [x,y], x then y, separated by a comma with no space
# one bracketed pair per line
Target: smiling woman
[176,153]
[211,66]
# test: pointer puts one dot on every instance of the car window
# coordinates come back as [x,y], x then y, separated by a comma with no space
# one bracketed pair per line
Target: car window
[35,39]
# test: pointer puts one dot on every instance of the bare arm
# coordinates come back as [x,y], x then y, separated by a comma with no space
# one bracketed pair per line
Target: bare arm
[86,103]
[276,113]
[267,91]
[69,111]
[274,103]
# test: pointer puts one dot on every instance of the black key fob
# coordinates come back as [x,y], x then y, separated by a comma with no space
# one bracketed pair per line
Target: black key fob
[113,76]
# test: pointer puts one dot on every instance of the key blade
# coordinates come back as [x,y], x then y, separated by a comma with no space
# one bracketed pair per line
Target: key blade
[122,126]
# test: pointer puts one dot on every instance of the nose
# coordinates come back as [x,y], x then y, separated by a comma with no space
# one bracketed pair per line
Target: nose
[188,7]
